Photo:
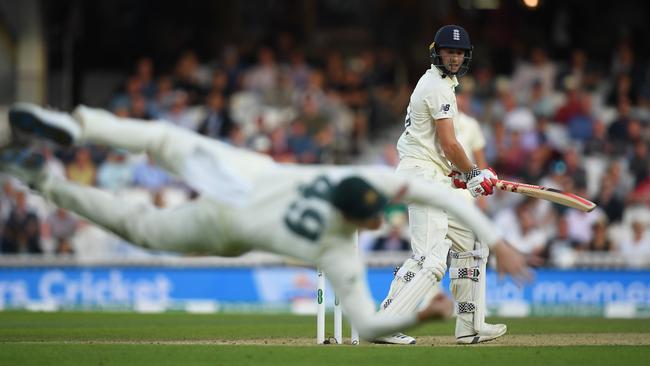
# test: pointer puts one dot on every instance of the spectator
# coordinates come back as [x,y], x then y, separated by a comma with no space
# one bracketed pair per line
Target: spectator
[236,136]
[580,70]
[191,77]
[219,83]
[539,70]
[217,123]
[301,144]
[263,77]
[561,247]
[518,226]
[636,250]
[540,102]
[62,227]
[618,129]
[389,156]
[581,124]
[580,225]
[599,241]
[233,69]
[164,96]
[150,176]
[536,165]
[572,105]
[140,109]
[22,229]
[132,89]
[640,161]
[299,70]
[598,144]
[116,172]
[313,116]
[512,157]
[516,118]
[610,202]
[178,113]
[7,199]
[280,150]
[394,239]
[573,166]
[622,90]
[144,72]
[82,169]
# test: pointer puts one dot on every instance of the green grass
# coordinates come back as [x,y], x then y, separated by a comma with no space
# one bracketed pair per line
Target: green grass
[87,339]
[283,355]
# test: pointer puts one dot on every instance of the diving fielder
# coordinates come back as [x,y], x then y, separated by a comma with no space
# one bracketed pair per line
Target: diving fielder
[310,213]
[429,150]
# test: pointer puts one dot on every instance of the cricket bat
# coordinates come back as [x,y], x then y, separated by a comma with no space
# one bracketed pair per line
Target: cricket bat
[545,193]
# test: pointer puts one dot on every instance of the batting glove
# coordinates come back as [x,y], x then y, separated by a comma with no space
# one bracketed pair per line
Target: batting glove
[481,182]
[457,179]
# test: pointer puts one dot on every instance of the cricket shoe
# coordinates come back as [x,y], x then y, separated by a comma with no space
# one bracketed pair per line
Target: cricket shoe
[27,166]
[488,332]
[31,121]
[397,338]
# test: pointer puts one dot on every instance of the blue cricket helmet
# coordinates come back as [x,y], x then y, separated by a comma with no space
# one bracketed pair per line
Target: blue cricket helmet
[455,37]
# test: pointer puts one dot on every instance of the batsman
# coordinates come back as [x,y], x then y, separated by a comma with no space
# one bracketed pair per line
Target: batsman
[429,149]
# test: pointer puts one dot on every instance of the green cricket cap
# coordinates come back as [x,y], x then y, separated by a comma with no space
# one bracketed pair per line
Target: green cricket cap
[357,199]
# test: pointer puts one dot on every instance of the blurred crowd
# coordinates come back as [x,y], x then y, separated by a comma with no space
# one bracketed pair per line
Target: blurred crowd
[576,124]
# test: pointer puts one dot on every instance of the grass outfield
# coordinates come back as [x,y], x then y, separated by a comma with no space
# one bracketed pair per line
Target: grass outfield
[227,339]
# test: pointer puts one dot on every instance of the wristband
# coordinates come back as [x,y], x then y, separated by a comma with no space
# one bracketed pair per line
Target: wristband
[475,172]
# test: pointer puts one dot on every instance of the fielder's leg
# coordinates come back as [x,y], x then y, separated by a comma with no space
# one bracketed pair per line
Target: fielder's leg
[192,227]
[169,145]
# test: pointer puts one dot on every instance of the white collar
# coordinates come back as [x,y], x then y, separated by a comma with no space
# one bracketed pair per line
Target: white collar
[452,80]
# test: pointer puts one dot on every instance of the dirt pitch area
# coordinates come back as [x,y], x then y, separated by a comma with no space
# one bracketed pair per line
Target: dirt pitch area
[521,340]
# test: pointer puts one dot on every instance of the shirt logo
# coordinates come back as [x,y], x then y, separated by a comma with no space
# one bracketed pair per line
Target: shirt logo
[444,108]
[370,197]
[456,35]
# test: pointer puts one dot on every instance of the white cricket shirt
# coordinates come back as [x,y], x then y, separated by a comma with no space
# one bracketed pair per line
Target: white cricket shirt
[432,99]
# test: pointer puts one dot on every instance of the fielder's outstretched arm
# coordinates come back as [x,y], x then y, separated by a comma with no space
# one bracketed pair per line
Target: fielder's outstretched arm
[413,190]
[508,259]
[347,275]
[435,195]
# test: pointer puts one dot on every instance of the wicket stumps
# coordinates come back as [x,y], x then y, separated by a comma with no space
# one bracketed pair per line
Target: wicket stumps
[338,317]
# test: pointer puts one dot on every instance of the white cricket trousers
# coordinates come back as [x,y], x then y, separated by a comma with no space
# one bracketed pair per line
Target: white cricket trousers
[429,226]
[199,226]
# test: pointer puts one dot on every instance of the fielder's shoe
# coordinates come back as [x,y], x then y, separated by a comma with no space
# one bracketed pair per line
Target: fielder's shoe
[488,332]
[33,121]
[397,338]
[27,166]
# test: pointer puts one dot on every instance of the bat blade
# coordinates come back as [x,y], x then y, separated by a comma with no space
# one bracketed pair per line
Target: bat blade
[546,193]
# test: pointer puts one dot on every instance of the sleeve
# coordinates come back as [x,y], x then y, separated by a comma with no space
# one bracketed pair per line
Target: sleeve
[435,195]
[439,102]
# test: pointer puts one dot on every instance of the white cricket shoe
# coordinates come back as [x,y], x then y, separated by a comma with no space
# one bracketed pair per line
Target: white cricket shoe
[397,338]
[27,166]
[32,121]
[487,333]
